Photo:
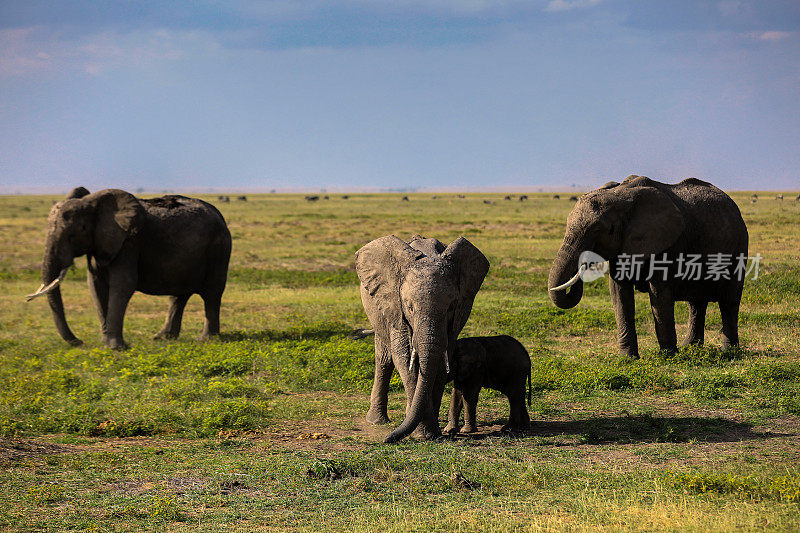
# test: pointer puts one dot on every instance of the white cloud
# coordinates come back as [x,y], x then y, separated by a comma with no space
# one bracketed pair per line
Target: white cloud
[768,36]
[34,50]
[565,5]
[18,53]
[773,35]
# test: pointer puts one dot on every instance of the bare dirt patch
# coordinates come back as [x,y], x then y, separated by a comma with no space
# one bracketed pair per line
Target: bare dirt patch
[16,450]
[672,435]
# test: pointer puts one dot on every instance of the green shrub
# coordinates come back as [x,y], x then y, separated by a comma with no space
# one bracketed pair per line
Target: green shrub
[715,387]
[542,322]
[697,355]
[783,488]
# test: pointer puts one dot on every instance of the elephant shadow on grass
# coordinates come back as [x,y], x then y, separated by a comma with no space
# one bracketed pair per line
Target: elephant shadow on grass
[323,331]
[640,429]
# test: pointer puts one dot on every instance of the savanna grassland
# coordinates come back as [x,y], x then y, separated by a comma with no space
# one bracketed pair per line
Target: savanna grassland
[262,429]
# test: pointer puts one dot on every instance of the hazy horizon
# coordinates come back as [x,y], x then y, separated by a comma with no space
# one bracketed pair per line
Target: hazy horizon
[335,191]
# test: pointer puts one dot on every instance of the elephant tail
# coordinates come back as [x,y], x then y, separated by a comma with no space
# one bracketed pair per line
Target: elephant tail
[529,387]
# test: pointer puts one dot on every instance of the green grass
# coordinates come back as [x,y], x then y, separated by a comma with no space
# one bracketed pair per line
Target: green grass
[784,487]
[262,428]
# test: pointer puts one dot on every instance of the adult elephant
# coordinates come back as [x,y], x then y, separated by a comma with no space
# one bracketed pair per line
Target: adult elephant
[643,219]
[172,245]
[417,296]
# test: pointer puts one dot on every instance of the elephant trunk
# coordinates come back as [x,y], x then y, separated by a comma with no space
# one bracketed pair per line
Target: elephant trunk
[54,267]
[431,354]
[565,271]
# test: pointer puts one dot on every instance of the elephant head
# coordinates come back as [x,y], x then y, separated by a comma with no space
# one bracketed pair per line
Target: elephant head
[632,217]
[96,225]
[424,295]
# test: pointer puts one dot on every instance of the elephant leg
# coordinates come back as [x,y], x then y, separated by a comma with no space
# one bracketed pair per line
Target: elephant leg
[729,313]
[211,305]
[401,357]
[455,411]
[98,288]
[172,326]
[470,394]
[379,398]
[518,417]
[409,379]
[625,314]
[121,288]
[663,307]
[697,323]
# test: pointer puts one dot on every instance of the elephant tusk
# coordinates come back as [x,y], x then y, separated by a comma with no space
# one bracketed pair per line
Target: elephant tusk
[572,281]
[411,362]
[44,290]
[446,363]
[360,333]
[38,290]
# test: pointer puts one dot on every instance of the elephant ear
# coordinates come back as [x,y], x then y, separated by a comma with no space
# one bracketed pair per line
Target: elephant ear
[654,223]
[382,266]
[118,217]
[471,267]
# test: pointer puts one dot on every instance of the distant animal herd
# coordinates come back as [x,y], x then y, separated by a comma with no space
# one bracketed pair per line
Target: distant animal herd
[417,293]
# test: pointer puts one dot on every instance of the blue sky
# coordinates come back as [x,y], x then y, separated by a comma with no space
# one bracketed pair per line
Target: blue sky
[360,94]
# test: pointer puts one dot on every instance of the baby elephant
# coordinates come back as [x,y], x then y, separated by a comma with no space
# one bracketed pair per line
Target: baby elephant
[500,363]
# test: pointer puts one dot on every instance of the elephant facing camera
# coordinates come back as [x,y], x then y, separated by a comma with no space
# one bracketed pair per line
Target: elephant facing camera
[418,296]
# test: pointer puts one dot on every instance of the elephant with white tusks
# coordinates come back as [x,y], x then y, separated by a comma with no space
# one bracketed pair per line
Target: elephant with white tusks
[664,226]
[172,245]
[417,295]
